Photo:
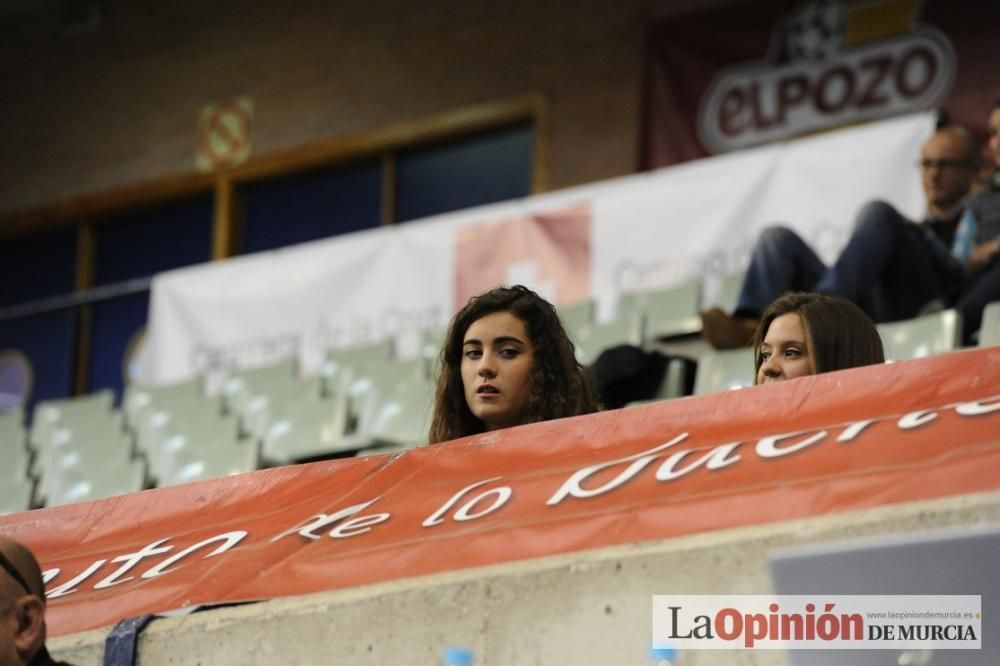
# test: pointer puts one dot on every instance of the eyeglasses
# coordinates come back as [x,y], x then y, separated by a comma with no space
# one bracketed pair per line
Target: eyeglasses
[944,164]
[14,573]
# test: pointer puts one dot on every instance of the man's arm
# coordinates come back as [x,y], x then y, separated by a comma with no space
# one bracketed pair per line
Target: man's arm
[983,254]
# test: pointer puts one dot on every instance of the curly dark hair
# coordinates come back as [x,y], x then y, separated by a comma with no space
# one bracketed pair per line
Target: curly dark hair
[840,334]
[560,385]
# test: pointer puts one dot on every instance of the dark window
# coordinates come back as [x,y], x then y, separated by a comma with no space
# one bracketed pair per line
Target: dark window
[152,241]
[467,172]
[314,205]
[37,266]
[114,324]
[47,341]
[139,245]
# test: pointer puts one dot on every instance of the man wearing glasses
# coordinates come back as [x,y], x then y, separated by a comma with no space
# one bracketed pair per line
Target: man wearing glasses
[891,267]
[22,608]
[980,229]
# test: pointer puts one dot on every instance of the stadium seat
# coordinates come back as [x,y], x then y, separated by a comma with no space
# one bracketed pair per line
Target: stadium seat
[431,344]
[729,292]
[78,478]
[52,415]
[190,464]
[667,312]
[591,340]
[15,495]
[141,402]
[402,417]
[724,370]
[12,424]
[306,429]
[931,334]
[989,332]
[202,446]
[244,385]
[381,450]
[575,317]
[372,381]
[338,361]
[673,382]
[432,340]
[270,402]
[101,439]
[13,446]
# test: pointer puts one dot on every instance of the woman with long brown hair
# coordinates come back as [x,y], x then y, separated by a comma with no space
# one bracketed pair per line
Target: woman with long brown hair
[507,361]
[808,333]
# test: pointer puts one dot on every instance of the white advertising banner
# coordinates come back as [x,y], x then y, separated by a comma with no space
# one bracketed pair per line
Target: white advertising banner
[700,219]
[696,220]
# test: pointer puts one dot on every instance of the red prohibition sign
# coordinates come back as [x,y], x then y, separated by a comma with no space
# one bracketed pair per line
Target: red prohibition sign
[224,134]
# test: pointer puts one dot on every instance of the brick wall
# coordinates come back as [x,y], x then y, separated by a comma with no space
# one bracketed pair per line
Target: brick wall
[87,111]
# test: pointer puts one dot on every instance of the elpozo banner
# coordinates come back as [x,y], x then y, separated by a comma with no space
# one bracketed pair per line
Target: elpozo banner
[816,445]
[693,221]
[738,76]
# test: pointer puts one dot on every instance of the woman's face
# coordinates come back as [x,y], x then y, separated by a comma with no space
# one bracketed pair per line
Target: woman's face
[785,352]
[497,358]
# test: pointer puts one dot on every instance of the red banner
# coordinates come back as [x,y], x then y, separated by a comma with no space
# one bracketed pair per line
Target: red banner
[835,442]
[738,76]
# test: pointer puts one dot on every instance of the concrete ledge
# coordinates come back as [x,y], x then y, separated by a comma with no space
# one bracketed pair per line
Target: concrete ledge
[587,608]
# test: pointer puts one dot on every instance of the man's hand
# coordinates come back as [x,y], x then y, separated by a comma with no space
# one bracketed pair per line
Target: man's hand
[983,253]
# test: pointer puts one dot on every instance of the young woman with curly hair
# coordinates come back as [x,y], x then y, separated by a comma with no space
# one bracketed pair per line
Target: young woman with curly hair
[507,361]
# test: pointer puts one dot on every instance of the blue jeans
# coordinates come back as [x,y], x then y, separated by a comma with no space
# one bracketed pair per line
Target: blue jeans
[983,289]
[888,268]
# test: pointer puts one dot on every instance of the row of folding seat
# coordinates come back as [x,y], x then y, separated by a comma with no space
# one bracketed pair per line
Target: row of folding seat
[84,448]
[362,400]
[73,447]
[931,334]
[15,481]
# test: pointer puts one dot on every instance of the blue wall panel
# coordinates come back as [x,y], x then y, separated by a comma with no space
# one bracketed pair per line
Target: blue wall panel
[469,172]
[312,205]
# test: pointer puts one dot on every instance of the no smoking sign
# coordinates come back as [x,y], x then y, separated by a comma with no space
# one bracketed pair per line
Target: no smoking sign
[224,134]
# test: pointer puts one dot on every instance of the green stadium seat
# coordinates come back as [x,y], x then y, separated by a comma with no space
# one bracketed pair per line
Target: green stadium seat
[102,438]
[724,370]
[666,312]
[15,495]
[339,362]
[372,381]
[306,429]
[577,316]
[52,415]
[202,445]
[403,416]
[931,334]
[432,340]
[270,402]
[729,292]
[77,478]
[591,340]
[989,331]
[242,386]
[13,446]
[141,402]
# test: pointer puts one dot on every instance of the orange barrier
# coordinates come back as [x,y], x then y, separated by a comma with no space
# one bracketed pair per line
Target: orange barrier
[835,442]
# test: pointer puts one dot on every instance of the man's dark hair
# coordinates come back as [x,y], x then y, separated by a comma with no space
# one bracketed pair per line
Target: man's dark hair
[973,149]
